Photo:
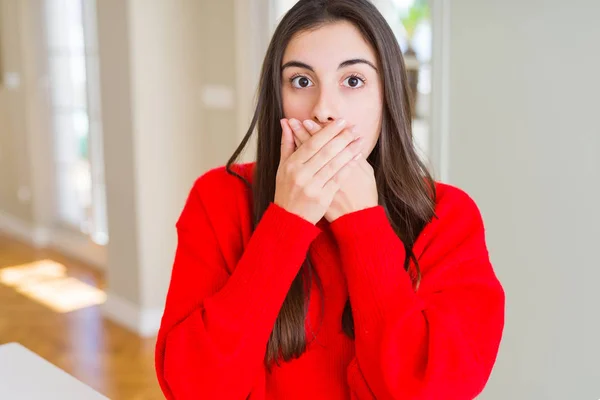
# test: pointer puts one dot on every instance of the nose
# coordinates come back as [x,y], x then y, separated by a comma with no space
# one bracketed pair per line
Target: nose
[326,108]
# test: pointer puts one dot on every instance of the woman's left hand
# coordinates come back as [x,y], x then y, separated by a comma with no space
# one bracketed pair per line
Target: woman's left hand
[357,192]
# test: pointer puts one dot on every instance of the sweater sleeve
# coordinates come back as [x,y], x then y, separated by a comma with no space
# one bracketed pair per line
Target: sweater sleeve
[439,342]
[216,324]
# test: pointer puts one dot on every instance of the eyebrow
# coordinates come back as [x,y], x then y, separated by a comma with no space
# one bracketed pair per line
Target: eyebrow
[344,64]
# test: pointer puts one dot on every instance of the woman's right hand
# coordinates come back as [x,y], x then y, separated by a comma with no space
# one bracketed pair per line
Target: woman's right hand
[308,178]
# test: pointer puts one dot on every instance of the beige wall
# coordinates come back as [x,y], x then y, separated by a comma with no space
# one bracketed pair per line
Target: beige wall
[156,57]
[14,151]
[123,258]
[25,130]
[525,142]
[216,41]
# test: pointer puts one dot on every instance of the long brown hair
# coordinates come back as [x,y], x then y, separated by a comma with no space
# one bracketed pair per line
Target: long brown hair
[406,189]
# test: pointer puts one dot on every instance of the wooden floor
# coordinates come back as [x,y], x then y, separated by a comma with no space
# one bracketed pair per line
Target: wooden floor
[106,357]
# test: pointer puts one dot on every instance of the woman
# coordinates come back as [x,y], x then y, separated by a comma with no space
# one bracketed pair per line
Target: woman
[333,267]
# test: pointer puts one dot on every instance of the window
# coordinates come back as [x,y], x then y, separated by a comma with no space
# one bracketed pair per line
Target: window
[75,98]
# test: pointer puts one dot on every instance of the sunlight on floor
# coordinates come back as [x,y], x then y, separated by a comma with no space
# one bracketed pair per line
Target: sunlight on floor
[46,282]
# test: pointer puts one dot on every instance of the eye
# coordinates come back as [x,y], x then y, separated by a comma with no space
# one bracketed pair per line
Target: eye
[300,82]
[354,82]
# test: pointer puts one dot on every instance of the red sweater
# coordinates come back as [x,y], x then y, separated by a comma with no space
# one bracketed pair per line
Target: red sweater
[228,284]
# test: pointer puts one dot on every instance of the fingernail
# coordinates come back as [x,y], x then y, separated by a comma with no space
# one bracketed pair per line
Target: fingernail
[309,124]
[294,123]
[340,122]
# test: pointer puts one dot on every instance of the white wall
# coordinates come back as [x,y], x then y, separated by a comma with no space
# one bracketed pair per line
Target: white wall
[525,142]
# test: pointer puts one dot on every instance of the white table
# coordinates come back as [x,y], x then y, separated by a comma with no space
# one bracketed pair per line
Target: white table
[26,376]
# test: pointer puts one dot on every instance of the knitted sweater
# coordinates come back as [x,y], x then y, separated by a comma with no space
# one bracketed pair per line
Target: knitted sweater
[228,283]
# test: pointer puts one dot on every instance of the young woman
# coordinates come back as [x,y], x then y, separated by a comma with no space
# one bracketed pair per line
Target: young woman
[334,267]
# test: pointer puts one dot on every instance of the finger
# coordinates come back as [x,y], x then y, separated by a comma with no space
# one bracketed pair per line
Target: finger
[333,167]
[311,126]
[333,185]
[287,142]
[319,140]
[296,140]
[299,130]
[332,149]
[346,172]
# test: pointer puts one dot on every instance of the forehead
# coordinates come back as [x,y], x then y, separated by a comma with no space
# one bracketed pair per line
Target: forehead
[327,46]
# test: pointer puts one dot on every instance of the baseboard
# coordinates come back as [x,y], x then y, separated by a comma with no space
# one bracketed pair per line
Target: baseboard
[20,230]
[70,243]
[144,322]
[78,246]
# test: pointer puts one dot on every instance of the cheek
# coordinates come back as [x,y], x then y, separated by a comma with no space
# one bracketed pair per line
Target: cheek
[368,121]
[295,106]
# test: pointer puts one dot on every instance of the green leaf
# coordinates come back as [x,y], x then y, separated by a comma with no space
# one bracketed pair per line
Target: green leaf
[417,13]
